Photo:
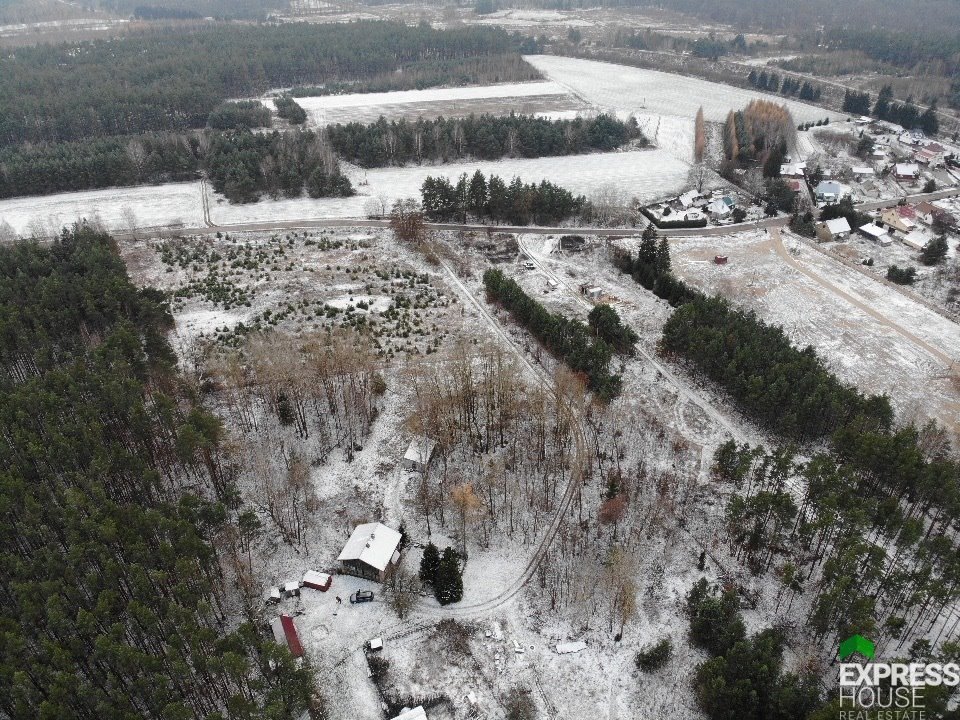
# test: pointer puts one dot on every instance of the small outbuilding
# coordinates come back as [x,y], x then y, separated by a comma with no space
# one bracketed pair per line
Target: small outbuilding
[720,259]
[571,647]
[285,633]
[291,589]
[371,552]
[419,453]
[875,233]
[317,580]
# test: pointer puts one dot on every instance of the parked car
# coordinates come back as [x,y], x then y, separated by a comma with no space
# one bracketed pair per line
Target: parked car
[361,596]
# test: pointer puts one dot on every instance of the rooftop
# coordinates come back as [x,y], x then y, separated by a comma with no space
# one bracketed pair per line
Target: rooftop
[372,544]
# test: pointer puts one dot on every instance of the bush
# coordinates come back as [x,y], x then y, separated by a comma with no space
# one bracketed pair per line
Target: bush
[653,657]
[901,276]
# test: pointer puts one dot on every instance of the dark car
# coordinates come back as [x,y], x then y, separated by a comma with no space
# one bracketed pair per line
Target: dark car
[361,596]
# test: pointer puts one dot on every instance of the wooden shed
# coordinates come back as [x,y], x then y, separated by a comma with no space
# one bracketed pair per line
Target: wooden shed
[317,580]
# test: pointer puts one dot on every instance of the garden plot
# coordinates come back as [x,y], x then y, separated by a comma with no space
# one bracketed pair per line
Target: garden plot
[116,209]
[620,87]
[877,355]
[529,97]
[645,174]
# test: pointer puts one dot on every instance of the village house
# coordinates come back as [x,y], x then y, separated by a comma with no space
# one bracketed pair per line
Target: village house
[835,229]
[932,155]
[793,170]
[926,211]
[831,191]
[916,239]
[371,552]
[906,171]
[419,453]
[899,219]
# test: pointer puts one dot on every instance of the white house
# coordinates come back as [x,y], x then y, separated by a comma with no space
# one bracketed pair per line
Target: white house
[838,228]
[916,239]
[688,198]
[862,171]
[793,170]
[906,171]
[718,209]
[831,191]
[419,453]
[370,551]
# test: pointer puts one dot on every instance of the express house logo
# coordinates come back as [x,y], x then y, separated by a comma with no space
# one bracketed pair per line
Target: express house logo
[871,690]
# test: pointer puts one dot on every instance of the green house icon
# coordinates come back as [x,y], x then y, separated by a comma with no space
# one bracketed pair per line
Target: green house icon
[857,644]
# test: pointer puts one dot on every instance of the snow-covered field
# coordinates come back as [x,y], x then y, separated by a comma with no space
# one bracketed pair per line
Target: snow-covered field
[504,98]
[620,87]
[646,174]
[150,205]
[869,334]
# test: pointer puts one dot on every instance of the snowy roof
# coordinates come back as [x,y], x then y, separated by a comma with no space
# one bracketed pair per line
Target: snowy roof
[916,239]
[907,169]
[417,713]
[872,230]
[688,197]
[291,586]
[793,168]
[571,647]
[838,225]
[372,544]
[718,207]
[420,450]
[831,187]
[315,578]
[862,170]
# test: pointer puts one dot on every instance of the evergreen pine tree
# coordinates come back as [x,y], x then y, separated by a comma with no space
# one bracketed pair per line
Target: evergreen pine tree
[662,261]
[448,587]
[429,564]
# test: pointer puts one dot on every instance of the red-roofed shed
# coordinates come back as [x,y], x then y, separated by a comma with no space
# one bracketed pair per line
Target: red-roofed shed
[284,631]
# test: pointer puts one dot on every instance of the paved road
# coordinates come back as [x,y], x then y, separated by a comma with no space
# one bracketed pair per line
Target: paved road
[919,197]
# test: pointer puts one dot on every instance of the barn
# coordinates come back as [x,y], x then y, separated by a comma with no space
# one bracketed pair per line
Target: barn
[371,551]
[285,633]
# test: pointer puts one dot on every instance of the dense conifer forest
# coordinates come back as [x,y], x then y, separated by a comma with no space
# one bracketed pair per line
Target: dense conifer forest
[165,80]
[117,502]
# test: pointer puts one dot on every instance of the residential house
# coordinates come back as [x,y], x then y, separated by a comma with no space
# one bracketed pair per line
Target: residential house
[899,219]
[793,170]
[419,453]
[371,552]
[718,209]
[835,229]
[926,211]
[861,171]
[933,155]
[831,191]
[916,239]
[906,171]
[688,198]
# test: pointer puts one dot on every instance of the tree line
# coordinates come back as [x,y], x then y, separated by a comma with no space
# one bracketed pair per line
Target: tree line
[905,114]
[241,165]
[117,503]
[485,137]
[172,80]
[783,388]
[515,203]
[651,268]
[569,340]
[788,86]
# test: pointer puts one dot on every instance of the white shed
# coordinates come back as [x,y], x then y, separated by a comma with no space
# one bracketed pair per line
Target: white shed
[838,228]
[877,234]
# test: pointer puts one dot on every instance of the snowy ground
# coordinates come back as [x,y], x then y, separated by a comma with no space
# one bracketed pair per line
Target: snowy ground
[904,352]
[528,97]
[620,87]
[645,174]
[151,205]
